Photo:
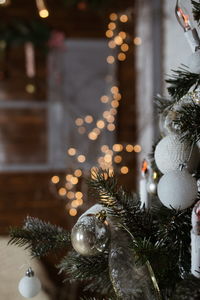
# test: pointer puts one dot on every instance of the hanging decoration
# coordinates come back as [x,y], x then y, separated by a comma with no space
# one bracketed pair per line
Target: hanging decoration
[195,241]
[29,285]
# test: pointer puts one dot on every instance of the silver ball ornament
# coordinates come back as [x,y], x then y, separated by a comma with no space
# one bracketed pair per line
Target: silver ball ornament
[29,286]
[177,189]
[90,236]
[170,153]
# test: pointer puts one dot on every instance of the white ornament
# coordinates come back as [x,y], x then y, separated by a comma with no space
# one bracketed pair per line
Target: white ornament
[170,152]
[29,285]
[194,62]
[177,189]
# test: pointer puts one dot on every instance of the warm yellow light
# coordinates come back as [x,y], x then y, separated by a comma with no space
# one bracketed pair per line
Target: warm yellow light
[117,159]
[121,56]
[73,212]
[81,130]
[97,131]
[137,41]
[110,59]
[2,1]
[106,114]
[124,170]
[104,148]
[114,103]
[111,25]
[74,180]
[69,185]
[111,44]
[88,119]
[44,13]
[69,177]
[74,203]
[118,40]
[113,111]
[122,34]
[117,96]
[123,18]
[55,179]
[92,135]
[124,47]
[62,191]
[71,151]
[113,16]
[111,127]
[78,173]
[107,158]
[129,148]
[81,158]
[79,195]
[114,89]
[109,33]
[30,88]
[137,148]
[117,147]
[80,202]
[70,195]
[100,124]
[155,175]
[111,119]
[79,121]
[104,99]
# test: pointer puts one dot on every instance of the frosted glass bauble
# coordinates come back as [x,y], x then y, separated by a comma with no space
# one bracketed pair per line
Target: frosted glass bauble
[177,189]
[194,62]
[29,286]
[170,152]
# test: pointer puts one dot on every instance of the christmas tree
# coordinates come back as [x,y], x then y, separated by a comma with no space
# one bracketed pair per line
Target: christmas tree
[147,246]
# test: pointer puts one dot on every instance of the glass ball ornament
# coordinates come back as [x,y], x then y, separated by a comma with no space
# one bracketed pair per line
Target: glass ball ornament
[177,189]
[90,235]
[170,153]
[29,286]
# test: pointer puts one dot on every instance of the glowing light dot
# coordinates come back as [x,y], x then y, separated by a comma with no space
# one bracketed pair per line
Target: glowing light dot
[100,124]
[121,56]
[113,17]
[43,13]
[109,33]
[117,159]
[111,119]
[117,147]
[69,177]
[74,180]
[81,158]
[104,99]
[118,40]
[114,103]
[129,148]
[114,89]
[92,135]
[123,18]
[107,158]
[79,121]
[113,111]
[78,173]
[104,148]
[137,148]
[73,212]
[110,59]
[124,170]
[70,195]
[71,151]
[81,130]
[74,203]
[124,47]
[117,96]
[111,127]
[55,179]
[111,44]
[122,34]
[30,88]
[155,175]
[80,202]
[137,41]
[69,185]
[97,131]
[106,113]
[62,191]
[111,25]
[79,195]
[88,119]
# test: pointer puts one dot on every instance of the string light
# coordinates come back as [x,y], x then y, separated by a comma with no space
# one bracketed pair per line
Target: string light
[122,34]
[137,148]
[117,147]
[97,131]
[114,103]
[81,158]
[104,148]
[137,41]
[69,185]
[79,195]
[111,127]
[123,18]
[80,202]
[30,88]
[55,179]
[118,40]
[73,212]
[129,148]
[70,195]
[79,121]
[75,203]
[111,44]
[125,47]
[62,191]
[110,59]
[100,124]
[42,9]
[69,177]
[92,135]
[109,33]
[111,119]
[124,170]
[121,56]
[117,159]
[113,111]
[88,119]
[107,158]
[74,180]
[113,16]
[81,130]
[71,151]
[104,99]
[111,25]
[78,173]
[114,89]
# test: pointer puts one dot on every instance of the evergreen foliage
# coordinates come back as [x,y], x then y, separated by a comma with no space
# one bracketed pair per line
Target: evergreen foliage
[196,10]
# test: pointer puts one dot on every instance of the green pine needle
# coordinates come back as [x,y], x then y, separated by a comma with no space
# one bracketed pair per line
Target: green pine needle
[196,11]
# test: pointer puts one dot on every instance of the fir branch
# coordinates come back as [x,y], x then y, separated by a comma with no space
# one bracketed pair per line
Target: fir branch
[40,237]
[196,11]
[188,121]
[162,103]
[187,289]
[93,269]
[181,82]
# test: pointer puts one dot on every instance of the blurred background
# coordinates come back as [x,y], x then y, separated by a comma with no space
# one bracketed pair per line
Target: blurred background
[77,80]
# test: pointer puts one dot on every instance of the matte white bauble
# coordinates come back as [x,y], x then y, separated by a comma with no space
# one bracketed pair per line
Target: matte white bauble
[29,286]
[194,62]
[177,189]
[170,152]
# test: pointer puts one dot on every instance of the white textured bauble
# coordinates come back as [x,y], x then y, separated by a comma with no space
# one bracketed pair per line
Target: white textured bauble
[170,152]
[177,189]
[194,62]
[29,286]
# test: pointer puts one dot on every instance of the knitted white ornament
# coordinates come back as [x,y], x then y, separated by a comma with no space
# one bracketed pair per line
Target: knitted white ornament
[177,189]
[170,152]
[194,62]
